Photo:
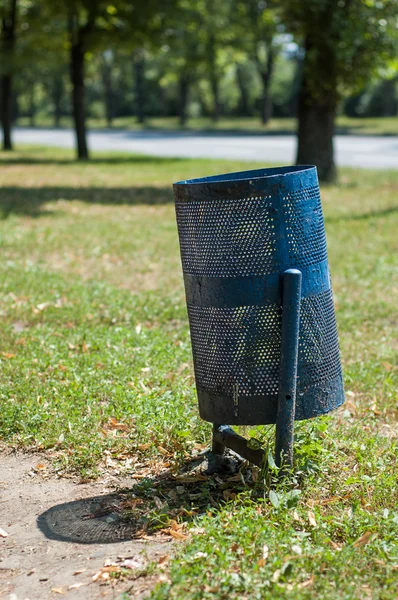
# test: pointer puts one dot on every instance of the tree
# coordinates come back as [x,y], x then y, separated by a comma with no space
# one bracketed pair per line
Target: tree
[91,23]
[255,26]
[343,43]
[8,39]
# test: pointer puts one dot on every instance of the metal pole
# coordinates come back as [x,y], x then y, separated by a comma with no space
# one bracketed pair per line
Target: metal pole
[288,367]
[217,446]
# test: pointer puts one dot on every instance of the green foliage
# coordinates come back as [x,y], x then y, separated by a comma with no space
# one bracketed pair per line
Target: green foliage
[345,41]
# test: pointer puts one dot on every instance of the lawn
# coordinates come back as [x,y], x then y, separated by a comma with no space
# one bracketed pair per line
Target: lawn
[96,372]
[344,125]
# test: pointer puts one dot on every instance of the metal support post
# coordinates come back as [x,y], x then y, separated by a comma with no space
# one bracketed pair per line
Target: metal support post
[288,367]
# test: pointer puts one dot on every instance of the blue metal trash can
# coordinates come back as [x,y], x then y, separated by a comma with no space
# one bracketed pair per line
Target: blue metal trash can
[239,233]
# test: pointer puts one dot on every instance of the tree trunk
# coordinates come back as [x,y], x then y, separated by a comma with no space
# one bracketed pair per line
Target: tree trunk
[317,103]
[266,101]
[57,93]
[78,98]
[316,119]
[139,77]
[108,92]
[32,105]
[244,104]
[266,74]
[183,88]
[8,45]
[6,110]
[213,76]
[389,96]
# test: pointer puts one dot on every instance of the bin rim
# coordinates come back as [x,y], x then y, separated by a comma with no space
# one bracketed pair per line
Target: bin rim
[253,174]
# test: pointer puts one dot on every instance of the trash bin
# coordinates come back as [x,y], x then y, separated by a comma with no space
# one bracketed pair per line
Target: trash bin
[239,233]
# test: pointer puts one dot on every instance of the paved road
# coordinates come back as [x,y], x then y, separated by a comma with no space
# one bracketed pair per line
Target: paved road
[380,152]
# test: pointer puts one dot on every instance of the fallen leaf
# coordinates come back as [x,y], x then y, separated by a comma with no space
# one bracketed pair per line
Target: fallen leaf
[84,347]
[177,535]
[265,552]
[144,446]
[131,563]
[308,583]
[74,586]
[8,355]
[276,575]
[40,467]
[312,519]
[115,424]
[79,572]
[363,540]
[3,533]
[58,590]
[388,366]
[41,307]
[263,560]
[335,546]
[163,559]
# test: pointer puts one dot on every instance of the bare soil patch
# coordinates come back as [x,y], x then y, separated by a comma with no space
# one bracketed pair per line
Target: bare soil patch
[42,517]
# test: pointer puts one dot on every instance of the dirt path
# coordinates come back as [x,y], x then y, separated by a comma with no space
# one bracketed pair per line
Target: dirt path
[55,528]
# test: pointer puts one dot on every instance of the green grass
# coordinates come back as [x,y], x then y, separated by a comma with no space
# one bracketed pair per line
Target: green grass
[96,371]
[344,125]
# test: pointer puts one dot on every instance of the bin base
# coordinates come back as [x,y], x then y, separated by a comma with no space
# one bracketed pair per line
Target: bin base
[225,437]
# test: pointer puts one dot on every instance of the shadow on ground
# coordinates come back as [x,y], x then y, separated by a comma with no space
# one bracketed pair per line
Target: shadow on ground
[29,201]
[117,159]
[148,507]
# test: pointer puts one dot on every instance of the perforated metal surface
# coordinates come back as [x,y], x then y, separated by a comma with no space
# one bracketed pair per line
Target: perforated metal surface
[227,238]
[236,350]
[238,234]
[305,232]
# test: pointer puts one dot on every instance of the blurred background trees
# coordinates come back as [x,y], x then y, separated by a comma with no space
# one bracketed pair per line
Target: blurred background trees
[66,61]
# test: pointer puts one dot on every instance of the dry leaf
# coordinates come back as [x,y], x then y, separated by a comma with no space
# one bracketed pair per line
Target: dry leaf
[276,575]
[116,425]
[8,355]
[363,540]
[3,533]
[131,563]
[388,366]
[41,307]
[84,347]
[74,586]
[40,467]
[263,560]
[312,519]
[79,572]
[335,546]
[58,590]
[163,559]
[174,525]
[308,583]
[177,535]
[144,446]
